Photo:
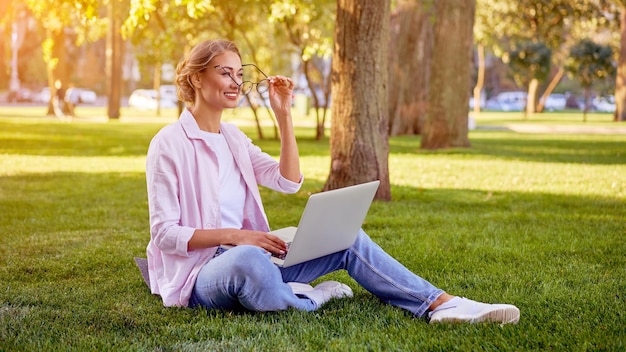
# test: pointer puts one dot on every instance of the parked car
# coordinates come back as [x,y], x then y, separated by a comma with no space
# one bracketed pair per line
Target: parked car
[43,96]
[604,104]
[555,102]
[19,96]
[81,96]
[507,101]
[146,99]
[168,91]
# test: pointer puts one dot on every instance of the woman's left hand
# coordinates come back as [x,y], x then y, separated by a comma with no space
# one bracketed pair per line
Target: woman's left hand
[281,94]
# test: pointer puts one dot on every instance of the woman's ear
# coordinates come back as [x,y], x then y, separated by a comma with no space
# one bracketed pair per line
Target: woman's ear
[195,80]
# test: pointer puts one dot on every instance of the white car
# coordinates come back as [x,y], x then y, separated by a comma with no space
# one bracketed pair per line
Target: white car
[168,91]
[81,96]
[555,102]
[42,96]
[507,101]
[145,99]
[604,104]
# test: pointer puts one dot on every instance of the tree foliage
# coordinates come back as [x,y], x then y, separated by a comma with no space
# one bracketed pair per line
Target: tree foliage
[308,27]
[503,25]
[589,62]
[530,64]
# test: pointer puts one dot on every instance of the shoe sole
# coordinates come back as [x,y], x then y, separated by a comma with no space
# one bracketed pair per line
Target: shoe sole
[507,315]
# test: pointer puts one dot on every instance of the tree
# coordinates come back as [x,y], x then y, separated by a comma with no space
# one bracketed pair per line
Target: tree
[114,57]
[308,28]
[588,63]
[410,51]
[192,21]
[530,62]
[446,123]
[358,142]
[620,82]
[502,25]
[63,20]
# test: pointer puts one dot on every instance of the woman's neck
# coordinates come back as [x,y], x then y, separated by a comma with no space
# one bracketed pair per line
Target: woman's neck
[206,119]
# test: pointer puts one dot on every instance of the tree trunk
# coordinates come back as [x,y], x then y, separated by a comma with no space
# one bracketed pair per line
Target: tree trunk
[531,98]
[114,59]
[57,70]
[446,123]
[620,81]
[359,145]
[156,85]
[587,100]
[553,83]
[410,49]
[480,81]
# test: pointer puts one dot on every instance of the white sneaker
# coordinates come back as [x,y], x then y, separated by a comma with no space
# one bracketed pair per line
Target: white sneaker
[299,288]
[327,290]
[461,310]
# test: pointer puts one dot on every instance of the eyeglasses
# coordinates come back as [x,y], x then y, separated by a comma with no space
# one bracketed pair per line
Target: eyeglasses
[246,86]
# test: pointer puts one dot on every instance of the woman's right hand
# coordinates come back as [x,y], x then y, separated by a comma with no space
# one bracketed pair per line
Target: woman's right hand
[267,241]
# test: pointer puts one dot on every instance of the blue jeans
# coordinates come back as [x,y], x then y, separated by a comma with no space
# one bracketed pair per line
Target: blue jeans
[244,278]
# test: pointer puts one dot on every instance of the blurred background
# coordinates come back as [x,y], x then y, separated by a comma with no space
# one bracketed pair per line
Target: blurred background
[555,55]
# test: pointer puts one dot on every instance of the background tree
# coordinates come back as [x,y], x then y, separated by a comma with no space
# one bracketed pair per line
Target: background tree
[503,24]
[63,21]
[115,56]
[410,51]
[589,62]
[620,81]
[192,21]
[446,123]
[358,142]
[530,63]
[308,27]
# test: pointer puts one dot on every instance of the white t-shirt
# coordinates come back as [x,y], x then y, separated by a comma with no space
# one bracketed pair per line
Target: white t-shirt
[232,187]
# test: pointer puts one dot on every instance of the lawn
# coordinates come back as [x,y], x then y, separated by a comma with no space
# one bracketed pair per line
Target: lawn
[537,220]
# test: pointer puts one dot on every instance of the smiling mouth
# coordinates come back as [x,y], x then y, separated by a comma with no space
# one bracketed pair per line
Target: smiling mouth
[232,95]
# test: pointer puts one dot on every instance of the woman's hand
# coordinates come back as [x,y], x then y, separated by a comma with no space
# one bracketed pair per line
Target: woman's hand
[261,239]
[281,94]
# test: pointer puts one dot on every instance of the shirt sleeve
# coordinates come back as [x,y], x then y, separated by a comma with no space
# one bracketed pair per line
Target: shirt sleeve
[267,171]
[163,202]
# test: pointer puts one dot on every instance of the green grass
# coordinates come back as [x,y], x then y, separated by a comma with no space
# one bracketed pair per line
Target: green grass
[537,220]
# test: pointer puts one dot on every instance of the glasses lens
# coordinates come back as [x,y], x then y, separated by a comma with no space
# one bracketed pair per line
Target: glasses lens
[263,86]
[246,87]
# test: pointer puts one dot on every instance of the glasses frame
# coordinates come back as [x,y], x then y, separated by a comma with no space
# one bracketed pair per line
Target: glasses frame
[245,87]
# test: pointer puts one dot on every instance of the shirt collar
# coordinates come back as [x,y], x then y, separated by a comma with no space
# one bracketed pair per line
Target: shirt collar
[189,124]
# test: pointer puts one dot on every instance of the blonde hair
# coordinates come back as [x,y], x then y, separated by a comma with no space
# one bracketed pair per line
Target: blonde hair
[196,62]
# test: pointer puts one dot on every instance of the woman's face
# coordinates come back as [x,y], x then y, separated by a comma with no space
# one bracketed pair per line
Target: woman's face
[215,88]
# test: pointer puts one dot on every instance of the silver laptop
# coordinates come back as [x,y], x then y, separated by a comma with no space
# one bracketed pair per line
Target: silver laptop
[330,223]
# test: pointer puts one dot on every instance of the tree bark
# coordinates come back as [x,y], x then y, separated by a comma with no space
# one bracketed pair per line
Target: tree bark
[446,123]
[156,85]
[620,80]
[410,49]
[531,98]
[57,68]
[553,83]
[480,81]
[358,142]
[114,59]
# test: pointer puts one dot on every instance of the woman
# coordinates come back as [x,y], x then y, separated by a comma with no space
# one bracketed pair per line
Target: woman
[203,176]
